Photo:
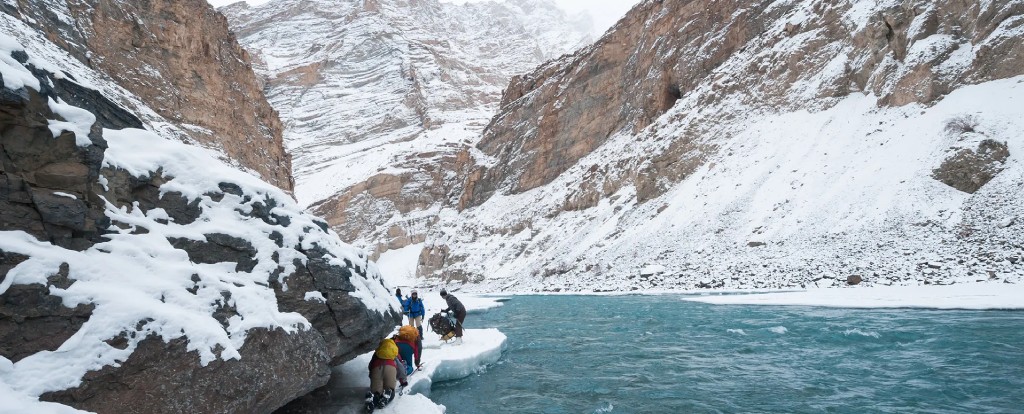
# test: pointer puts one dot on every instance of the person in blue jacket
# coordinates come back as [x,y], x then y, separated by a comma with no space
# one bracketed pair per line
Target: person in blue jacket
[403,301]
[416,311]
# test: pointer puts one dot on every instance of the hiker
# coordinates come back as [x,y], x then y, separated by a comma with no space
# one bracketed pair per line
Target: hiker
[384,374]
[455,307]
[402,301]
[409,346]
[416,312]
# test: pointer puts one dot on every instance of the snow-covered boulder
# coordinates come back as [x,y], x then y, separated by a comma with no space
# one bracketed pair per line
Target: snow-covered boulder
[139,274]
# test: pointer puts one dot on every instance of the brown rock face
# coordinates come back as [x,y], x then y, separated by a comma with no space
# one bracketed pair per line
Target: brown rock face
[722,50]
[180,58]
[693,127]
[368,209]
[969,170]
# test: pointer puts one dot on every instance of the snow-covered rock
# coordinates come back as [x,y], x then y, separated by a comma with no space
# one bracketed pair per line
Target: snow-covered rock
[164,280]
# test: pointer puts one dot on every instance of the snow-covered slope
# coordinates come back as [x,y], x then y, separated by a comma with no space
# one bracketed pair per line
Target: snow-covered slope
[150,266]
[378,95]
[767,144]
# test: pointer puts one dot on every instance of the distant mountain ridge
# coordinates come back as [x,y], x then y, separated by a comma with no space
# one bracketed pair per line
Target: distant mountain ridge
[380,97]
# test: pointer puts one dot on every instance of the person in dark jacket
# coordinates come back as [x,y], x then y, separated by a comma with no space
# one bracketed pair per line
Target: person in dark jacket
[416,311]
[456,308]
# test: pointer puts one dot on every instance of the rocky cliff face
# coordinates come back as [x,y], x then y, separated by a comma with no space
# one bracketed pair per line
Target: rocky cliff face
[764,144]
[181,60]
[157,278]
[382,97]
[552,118]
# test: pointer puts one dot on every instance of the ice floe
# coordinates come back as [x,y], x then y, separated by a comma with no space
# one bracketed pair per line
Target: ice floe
[443,362]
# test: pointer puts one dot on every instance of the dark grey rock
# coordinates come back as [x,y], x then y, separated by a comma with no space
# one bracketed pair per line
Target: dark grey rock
[108,114]
[231,188]
[219,248]
[276,367]
[854,280]
[31,320]
[61,211]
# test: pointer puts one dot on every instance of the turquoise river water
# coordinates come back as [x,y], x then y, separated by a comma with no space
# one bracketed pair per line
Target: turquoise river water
[659,354]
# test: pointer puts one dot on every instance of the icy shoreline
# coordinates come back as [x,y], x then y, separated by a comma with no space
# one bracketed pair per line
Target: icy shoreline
[969,296]
[973,296]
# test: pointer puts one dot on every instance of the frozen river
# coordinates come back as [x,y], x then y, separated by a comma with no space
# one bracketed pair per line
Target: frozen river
[659,354]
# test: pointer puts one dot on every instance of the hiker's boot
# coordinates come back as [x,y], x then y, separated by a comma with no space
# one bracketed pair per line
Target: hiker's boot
[371,401]
[389,395]
[458,341]
[379,401]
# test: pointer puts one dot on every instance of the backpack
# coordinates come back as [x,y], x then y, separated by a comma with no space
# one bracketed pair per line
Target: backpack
[387,350]
[443,325]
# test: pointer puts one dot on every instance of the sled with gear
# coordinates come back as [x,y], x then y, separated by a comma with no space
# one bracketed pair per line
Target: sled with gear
[443,325]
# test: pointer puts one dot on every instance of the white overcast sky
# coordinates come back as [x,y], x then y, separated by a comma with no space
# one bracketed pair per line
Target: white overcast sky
[605,12]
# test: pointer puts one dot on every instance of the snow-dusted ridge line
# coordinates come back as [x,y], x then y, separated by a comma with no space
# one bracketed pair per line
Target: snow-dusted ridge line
[140,285]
